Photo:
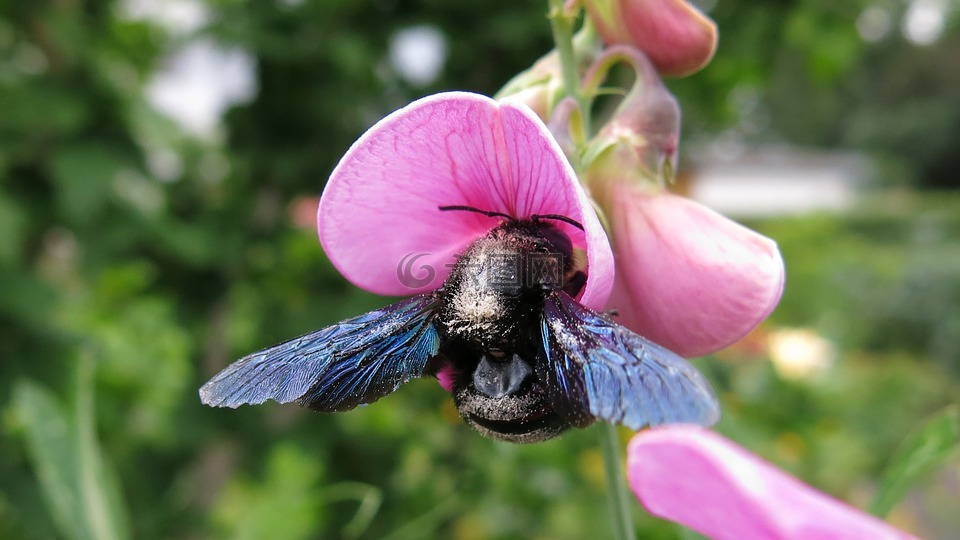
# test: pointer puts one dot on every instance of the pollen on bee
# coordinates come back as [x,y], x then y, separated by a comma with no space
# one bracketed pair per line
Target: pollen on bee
[475,308]
[559,331]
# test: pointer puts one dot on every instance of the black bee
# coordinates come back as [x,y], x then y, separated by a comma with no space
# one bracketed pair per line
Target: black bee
[528,361]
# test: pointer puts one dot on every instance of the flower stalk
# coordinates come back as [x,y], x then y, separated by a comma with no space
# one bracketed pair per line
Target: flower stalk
[561,22]
[620,500]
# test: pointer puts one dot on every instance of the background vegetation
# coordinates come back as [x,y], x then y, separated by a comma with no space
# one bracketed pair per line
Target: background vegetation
[139,256]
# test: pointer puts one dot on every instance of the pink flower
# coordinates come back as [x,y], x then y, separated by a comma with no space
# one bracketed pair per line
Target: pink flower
[687,277]
[379,218]
[675,35]
[696,478]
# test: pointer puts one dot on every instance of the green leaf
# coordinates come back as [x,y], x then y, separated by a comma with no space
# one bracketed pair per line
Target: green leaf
[27,298]
[43,108]
[921,452]
[369,499]
[285,504]
[97,482]
[684,533]
[80,489]
[13,224]
[84,175]
[48,443]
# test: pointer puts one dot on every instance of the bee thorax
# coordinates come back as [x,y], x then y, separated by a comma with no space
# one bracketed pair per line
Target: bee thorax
[474,311]
[500,281]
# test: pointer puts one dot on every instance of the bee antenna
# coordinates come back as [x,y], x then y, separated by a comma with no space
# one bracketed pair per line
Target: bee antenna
[489,213]
[557,217]
[472,209]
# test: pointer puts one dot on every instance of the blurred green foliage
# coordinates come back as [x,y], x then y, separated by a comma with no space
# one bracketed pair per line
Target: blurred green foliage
[927,448]
[142,285]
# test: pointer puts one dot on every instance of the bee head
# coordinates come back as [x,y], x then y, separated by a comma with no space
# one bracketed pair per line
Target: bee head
[502,399]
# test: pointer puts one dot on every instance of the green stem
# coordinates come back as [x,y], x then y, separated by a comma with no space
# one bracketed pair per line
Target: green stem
[616,486]
[561,22]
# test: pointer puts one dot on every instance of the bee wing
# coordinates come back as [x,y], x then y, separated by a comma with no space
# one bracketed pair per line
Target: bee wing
[356,361]
[597,369]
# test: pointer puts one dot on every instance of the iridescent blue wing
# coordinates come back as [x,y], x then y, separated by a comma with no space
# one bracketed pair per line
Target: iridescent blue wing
[339,367]
[597,369]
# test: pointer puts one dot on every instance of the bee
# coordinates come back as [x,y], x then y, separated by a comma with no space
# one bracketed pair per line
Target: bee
[526,359]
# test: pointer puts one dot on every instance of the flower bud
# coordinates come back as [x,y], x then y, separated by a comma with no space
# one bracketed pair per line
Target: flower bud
[677,37]
[539,87]
[640,140]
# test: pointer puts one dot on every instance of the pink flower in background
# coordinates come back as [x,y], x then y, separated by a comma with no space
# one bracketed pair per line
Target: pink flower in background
[699,479]
[380,208]
[675,35]
[687,277]
[302,211]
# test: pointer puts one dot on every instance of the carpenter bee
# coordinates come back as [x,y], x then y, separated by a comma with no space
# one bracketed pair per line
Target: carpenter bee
[527,360]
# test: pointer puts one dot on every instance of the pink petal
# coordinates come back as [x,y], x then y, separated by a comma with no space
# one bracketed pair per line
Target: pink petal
[379,220]
[694,477]
[687,277]
[446,377]
[677,37]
